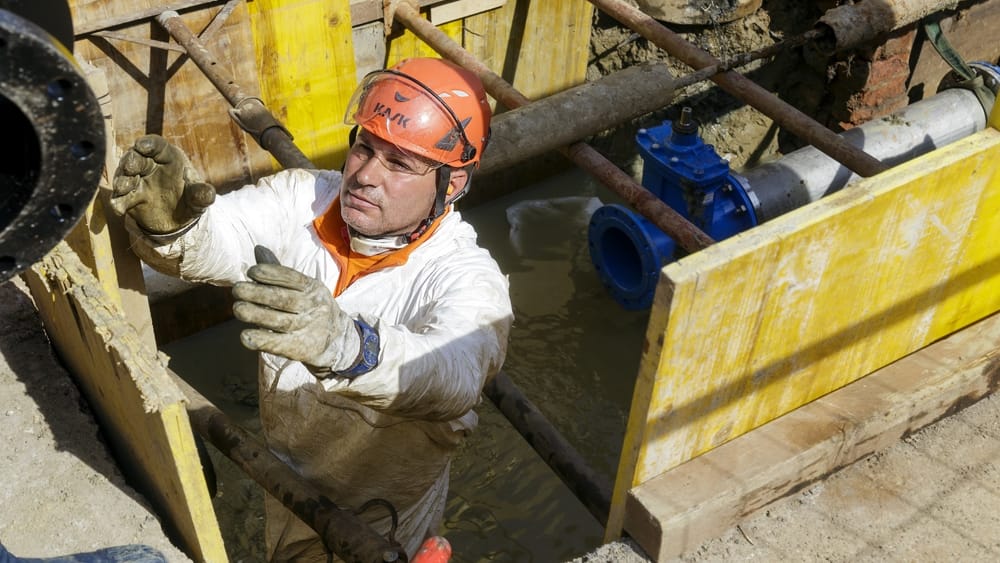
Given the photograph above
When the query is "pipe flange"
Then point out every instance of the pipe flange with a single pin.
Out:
(53, 148)
(627, 252)
(990, 74)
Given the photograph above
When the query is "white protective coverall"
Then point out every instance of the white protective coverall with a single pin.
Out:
(443, 318)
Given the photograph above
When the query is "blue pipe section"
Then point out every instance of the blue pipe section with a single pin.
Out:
(627, 250)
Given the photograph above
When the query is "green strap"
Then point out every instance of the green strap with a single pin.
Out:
(970, 80)
(947, 52)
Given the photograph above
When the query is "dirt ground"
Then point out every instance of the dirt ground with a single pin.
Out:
(934, 496)
(741, 134)
(62, 492)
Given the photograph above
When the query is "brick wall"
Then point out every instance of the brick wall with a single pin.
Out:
(873, 83)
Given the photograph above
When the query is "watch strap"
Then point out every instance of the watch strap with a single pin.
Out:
(368, 354)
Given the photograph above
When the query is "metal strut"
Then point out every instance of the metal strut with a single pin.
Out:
(590, 488)
(249, 112)
(745, 89)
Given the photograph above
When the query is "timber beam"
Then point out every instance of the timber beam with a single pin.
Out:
(675, 512)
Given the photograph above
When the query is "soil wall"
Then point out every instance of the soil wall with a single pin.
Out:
(840, 91)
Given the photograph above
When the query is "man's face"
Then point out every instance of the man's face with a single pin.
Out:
(386, 191)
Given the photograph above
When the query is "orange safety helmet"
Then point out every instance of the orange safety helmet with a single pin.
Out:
(426, 106)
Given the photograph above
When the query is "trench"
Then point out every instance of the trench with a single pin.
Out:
(573, 351)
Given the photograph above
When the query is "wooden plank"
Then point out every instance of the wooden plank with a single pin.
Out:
(155, 91)
(98, 242)
(131, 394)
(305, 57)
(93, 302)
(367, 11)
(675, 512)
(995, 115)
(96, 15)
(539, 47)
(450, 11)
(772, 319)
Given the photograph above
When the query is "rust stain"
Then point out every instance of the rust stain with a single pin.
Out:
(992, 375)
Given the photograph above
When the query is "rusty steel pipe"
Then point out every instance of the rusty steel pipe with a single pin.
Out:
(687, 236)
(342, 532)
(247, 111)
(576, 113)
(590, 488)
(798, 123)
(565, 117)
(851, 25)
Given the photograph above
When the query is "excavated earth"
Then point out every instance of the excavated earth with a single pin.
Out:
(933, 497)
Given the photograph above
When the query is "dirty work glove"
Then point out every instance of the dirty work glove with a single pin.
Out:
(158, 188)
(297, 318)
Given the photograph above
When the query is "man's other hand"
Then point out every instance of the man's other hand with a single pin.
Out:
(157, 187)
(297, 317)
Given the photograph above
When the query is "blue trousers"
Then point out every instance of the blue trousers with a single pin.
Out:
(118, 554)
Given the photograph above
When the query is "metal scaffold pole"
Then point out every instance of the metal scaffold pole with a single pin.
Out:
(745, 89)
(688, 236)
(248, 111)
(342, 532)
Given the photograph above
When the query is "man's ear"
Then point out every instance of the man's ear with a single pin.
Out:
(458, 181)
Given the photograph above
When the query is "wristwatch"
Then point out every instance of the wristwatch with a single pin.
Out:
(368, 355)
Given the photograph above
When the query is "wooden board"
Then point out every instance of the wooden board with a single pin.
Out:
(450, 11)
(156, 91)
(98, 15)
(539, 47)
(91, 297)
(131, 394)
(305, 60)
(995, 115)
(677, 511)
(760, 324)
(102, 245)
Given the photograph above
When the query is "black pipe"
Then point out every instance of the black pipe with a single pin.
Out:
(53, 142)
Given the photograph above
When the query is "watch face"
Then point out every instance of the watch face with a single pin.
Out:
(370, 349)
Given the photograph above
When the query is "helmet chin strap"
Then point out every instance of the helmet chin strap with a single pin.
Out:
(440, 202)
(372, 245)
(380, 244)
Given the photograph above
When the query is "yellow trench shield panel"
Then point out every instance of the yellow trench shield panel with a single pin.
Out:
(760, 324)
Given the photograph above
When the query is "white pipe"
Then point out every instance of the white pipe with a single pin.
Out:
(805, 175)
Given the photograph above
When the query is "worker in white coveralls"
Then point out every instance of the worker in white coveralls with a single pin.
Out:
(383, 320)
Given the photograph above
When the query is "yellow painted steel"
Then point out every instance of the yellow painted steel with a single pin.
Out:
(760, 324)
(305, 60)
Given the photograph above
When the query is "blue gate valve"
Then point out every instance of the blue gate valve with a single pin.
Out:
(627, 250)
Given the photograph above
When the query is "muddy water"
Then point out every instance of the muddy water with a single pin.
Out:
(573, 352)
